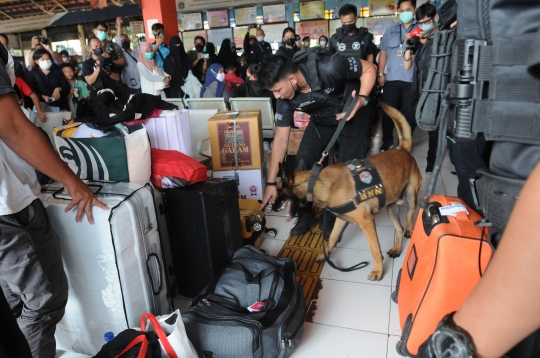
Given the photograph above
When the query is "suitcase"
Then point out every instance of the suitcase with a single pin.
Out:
(114, 268)
(255, 308)
(445, 260)
(204, 230)
(253, 223)
(54, 119)
(171, 132)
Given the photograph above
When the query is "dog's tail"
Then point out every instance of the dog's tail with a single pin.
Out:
(403, 127)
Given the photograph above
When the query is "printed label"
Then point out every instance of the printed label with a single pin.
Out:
(257, 306)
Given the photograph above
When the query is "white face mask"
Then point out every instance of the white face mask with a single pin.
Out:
(426, 27)
(65, 59)
(260, 38)
(306, 44)
(220, 77)
(298, 43)
(322, 43)
(45, 65)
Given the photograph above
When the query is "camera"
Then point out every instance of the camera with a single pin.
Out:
(413, 43)
(109, 50)
(205, 55)
(159, 34)
(105, 63)
(44, 40)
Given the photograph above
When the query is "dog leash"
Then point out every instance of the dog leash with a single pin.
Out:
(317, 167)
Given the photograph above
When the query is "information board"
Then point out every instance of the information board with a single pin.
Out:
(216, 36)
(311, 10)
(274, 32)
(274, 13)
(313, 29)
(377, 25)
(245, 15)
(189, 38)
(217, 18)
(239, 34)
(382, 7)
(192, 21)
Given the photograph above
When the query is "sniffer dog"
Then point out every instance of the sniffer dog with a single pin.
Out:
(335, 186)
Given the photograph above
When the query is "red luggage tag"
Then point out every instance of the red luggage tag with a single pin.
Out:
(257, 306)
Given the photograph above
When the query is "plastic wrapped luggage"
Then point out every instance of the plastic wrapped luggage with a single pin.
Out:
(253, 223)
(114, 268)
(204, 230)
(446, 258)
(171, 131)
(255, 308)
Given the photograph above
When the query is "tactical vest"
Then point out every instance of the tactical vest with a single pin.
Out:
(352, 46)
(321, 107)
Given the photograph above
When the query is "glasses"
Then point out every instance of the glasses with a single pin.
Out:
(424, 22)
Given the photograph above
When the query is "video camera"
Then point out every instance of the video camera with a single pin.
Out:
(44, 40)
(414, 42)
(105, 63)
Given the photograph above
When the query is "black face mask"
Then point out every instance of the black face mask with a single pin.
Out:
(290, 42)
(199, 47)
(349, 28)
(125, 45)
(98, 51)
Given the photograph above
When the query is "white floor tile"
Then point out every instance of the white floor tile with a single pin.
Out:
(354, 238)
(282, 226)
(320, 341)
(394, 327)
(353, 305)
(349, 257)
(392, 341)
(271, 246)
(398, 261)
(182, 304)
(439, 186)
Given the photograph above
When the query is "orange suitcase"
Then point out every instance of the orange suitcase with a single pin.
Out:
(253, 222)
(445, 260)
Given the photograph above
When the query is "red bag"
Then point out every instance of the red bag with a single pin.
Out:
(176, 166)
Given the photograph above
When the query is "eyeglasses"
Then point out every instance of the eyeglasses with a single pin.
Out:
(424, 22)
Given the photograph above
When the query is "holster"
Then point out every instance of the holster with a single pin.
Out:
(497, 196)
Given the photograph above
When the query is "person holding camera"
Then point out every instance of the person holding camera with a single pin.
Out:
(111, 51)
(48, 82)
(200, 61)
(161, 50)
(97, 70)
(260, 48)
(418, 52)
(41, 42)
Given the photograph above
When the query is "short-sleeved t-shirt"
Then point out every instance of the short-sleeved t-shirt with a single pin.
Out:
(18, 181)
(334, 72)
(392, 42)
(106, 81)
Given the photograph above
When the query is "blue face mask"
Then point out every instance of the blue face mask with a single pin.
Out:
(101, 35)
(406, 16)
(149, 56)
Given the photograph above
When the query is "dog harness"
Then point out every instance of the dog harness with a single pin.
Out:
(368, 185)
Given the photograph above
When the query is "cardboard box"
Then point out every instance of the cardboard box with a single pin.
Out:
(251, 183)
(295, 137)
(248, 140)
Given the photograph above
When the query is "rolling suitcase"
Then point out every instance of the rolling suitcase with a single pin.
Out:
(253, 223)
(446, 258)
(114, 268)
(204, 231)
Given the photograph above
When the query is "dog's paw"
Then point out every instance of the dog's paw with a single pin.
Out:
(408, 234)
(320, 258)
(394, 253)
(375, 275)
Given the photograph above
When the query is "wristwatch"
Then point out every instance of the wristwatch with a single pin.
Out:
(379, 74)
(366, 98)
(274, 183)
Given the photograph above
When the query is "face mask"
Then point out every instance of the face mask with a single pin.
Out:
(199, 48)
(306, 44)
(126, 45)
(220, 77)
(65, 59)
(322, 43)
(426, 27)
(349, 28)
(260, 38)
(149, 56)
(290, 42)
(406, 16)
(298, 43)
(101, 35)
(45, 65)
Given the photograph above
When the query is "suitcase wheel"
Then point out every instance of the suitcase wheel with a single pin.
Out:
(271, 233)
(268, 208)
(394, 296)
(257, 226)
(400, 348)
(396, 291)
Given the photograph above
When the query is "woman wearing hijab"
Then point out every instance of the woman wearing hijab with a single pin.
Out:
(225, 55)
(153, 79)
(288, 41)
(214, 85)
(178, 66)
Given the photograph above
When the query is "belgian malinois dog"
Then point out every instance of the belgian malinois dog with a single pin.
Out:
(335, 186)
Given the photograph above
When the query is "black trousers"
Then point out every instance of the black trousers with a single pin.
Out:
(353, 140)
(398, 95)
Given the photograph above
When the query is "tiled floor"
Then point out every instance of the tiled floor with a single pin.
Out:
(356, 317)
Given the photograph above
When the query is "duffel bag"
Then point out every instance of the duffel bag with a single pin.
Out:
(254, 309)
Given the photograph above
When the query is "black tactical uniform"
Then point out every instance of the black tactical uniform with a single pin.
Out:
(356, 45)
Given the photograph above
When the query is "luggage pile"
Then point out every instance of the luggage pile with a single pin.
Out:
(169, 229)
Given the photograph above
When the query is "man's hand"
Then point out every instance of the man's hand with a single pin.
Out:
(42, 116)
(160, 40)
(167, 80)
(359, 105)
(83, 199)
(381, 80)
(270, 196)
(46, 98)
(56, 93)
(35, 41)
(119, 23)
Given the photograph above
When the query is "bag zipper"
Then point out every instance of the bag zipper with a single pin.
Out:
(285, 325)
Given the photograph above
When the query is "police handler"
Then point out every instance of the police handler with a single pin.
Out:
(318, 84)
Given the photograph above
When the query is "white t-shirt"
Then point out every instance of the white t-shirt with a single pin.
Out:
(18, 182)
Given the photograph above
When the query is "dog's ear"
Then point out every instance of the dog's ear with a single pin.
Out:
(301, 166)
(283, 174)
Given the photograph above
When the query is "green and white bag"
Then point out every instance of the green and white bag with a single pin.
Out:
(114, 157)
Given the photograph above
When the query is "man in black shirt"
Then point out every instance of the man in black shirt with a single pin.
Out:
(96, 74)
(260, 49)
(295, 87)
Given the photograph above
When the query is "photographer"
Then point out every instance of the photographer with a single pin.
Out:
(259, 49)
(111, 51)
(97, 70)
(200, 61)
(41, 42)
(418, 51)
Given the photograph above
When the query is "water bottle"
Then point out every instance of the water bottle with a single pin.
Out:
(266, 146)
(108, 336)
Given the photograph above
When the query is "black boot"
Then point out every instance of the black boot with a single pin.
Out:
(326, 223)
(306, 220)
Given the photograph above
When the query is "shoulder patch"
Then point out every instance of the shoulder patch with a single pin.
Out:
(342, 47)
(356, 45)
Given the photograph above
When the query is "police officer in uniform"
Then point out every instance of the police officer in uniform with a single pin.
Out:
(319, 84)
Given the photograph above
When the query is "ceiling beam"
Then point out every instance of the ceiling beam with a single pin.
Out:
(6, 15)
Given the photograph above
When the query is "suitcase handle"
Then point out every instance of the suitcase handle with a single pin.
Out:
(158, 265)
(61, 191)
(431, 217)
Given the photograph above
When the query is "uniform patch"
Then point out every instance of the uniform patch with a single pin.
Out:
(279, 116)
(342, 47)
(351, 167)
(356, 45)
(366, 177)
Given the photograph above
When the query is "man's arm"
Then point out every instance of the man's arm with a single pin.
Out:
(91, 79)
(279, 149)
(41, 115)
(383, 58)
(16, 131)
(330, 45)
(367, 81)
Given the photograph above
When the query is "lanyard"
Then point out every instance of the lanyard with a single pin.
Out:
(401, 37)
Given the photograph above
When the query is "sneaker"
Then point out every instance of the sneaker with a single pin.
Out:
(387, 146)
(305, 222)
